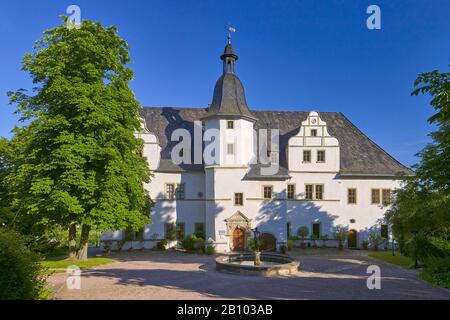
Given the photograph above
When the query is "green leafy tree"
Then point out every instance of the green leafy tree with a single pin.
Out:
(420, 210)
(77, 161)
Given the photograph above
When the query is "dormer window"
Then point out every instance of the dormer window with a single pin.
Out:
(230, 124)
(313, 132)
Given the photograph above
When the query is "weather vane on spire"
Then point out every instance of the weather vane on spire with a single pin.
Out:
(230, 30)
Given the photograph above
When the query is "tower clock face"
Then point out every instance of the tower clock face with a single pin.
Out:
(313, 121)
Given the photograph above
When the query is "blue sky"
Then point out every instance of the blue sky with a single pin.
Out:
(293, 55)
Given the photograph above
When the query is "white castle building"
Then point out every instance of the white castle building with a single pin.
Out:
(329, 173)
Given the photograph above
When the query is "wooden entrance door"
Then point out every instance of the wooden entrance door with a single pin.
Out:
(351, 240)
(238, 240)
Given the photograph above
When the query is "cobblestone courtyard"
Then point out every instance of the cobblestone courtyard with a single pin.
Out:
(173, 275)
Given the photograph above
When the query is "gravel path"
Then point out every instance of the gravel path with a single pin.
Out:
(171, 275)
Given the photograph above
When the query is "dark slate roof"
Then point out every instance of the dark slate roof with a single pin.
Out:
(360, 156)
(229, 98)
(229, 52)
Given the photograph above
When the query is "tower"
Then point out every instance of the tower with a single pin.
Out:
(230, 119)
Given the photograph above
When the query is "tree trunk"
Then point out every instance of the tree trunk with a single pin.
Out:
(73, 241)
(84, 242)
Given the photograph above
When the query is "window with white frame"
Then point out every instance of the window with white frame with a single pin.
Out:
(314, 191)
(351, 195)
(307, 156)
(320, 155)
(267, 192)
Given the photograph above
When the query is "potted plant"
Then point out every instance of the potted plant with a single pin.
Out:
(340, 234)
(303, 232)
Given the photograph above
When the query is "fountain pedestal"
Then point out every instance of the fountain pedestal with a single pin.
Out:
(257, 258)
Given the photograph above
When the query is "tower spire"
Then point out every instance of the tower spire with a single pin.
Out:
(229, 57)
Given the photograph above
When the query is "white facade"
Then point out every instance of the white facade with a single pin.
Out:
(226, 200)
(209, 195)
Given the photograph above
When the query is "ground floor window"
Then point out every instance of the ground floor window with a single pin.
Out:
(316, 229)
(180, 230)
(289, 229)
(200, 229)
(169, 231)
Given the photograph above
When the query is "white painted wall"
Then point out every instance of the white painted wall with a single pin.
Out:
(219, 183)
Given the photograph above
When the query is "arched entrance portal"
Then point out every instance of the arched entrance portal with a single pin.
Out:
(238, 240)
(269, 241)
(352, 238)
(238, 225)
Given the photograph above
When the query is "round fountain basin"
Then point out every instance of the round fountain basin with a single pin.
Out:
(271, 264)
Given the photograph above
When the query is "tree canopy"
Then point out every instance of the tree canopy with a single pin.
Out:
(420, 213)
(77, 160)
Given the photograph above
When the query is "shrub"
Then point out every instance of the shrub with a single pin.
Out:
(253, 247)
(375, 239)
(199, 234)
(340, 234)
(290, 244)
(120, 244)
(21, 274)
(420, 249)
(210, 250)
(437, 271)
(107, 245)
(161, 244)
(365, 244)
(303, 232)
(192, 243)
(283, 249)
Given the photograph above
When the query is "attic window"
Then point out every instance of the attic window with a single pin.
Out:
(230, 124)
(313, 132)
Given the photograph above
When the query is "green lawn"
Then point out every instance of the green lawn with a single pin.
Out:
(55, 262)
(398, 259)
